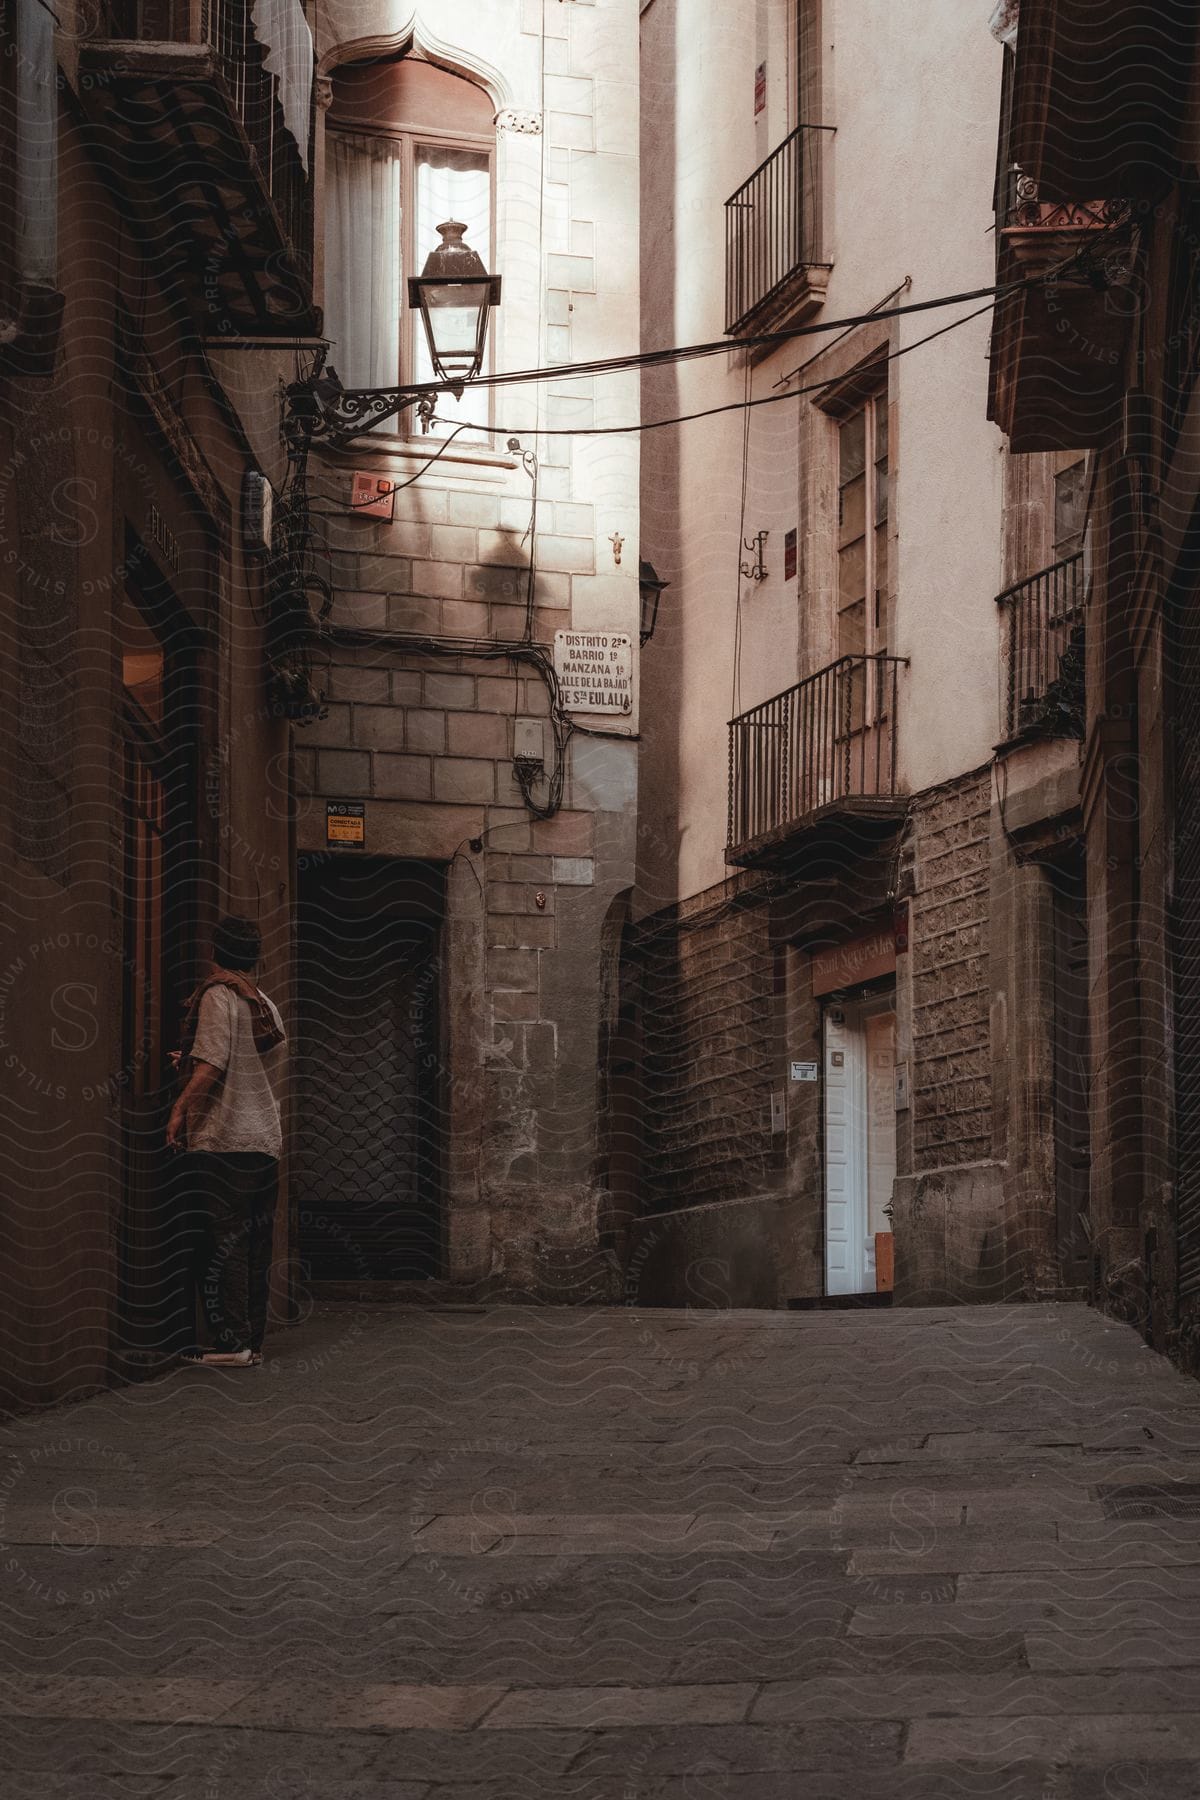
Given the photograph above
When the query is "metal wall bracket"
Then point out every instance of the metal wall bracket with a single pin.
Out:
(757, 570)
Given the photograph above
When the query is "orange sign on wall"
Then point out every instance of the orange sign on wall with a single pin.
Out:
(373, 495)
(859, 959)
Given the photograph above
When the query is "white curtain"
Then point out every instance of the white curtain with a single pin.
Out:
(452, 184)
(362, 259)
(282, 30)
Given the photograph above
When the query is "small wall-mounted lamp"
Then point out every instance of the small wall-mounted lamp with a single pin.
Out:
(650, 589)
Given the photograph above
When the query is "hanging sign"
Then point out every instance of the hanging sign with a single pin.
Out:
(345, 822)
(760, 88)
(594, 670)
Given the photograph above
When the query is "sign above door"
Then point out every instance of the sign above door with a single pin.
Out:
(345, 822)
(862, 958)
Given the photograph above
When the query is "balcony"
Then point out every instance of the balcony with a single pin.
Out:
(1042, 675)
(823, 751)
(1095, 122)
(191, 124)
(1057, 349)
(773, 272)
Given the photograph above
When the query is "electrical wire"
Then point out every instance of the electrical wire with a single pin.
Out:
(530, 464)
(646, 359)
(561, 726)
(710, 412)
(876, 311)
(357, 505)
(723, 346)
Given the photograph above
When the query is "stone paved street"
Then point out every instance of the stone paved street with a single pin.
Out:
(615, 1555)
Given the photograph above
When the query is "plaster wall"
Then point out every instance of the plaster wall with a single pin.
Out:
(883, 230)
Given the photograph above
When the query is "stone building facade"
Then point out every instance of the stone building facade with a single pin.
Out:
(498, 823)
(1101, 362)
(851, 938)
(145, 662)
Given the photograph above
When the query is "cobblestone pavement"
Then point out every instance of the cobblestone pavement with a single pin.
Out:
(615, 1555)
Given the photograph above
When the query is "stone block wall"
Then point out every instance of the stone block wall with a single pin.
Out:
(951, 990)
(712, 1018)
(950, 1219)
(424, 696)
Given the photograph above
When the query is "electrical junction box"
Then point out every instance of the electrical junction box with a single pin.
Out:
(529, 741)
(258, 512)
(372, 496)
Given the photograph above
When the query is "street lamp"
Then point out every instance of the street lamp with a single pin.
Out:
(650, 588)
(454, 294)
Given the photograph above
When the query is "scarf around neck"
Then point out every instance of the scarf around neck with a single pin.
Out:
(266, 1033)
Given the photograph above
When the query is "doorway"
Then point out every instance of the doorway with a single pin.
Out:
(158, 715)
(366, 1168)
(860, 1136)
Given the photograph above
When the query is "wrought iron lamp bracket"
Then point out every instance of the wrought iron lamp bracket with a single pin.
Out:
(336, 415)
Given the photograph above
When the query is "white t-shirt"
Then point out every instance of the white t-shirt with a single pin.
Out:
(241, 1114)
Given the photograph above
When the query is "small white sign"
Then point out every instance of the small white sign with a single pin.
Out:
(902, 1099)
(594, 670)
(804, 1071)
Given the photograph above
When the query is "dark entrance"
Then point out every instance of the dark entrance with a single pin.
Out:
(1071, 1053)
(366, 1163)
(1185, 921)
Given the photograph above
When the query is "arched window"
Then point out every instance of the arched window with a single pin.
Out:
(408, 146)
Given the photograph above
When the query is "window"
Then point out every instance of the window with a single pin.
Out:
(408, 146)
(1069, 509)
(862, 599)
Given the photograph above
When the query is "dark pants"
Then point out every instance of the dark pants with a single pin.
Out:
(237, 1193)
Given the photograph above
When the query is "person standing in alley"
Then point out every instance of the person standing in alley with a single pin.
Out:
(227, 1119)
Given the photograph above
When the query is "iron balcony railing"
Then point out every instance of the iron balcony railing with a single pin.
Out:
(828, 739)
(1043, 619)
(226, 27)
(771, 224)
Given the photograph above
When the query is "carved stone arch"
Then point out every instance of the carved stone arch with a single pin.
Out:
(416, 39)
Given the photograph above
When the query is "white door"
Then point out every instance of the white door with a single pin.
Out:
(860, 1138)
(845, 1220)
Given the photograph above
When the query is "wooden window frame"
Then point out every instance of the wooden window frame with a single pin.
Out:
(804, 59)
(863, 398)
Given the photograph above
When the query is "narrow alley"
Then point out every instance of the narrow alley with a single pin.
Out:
(615, 1554)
